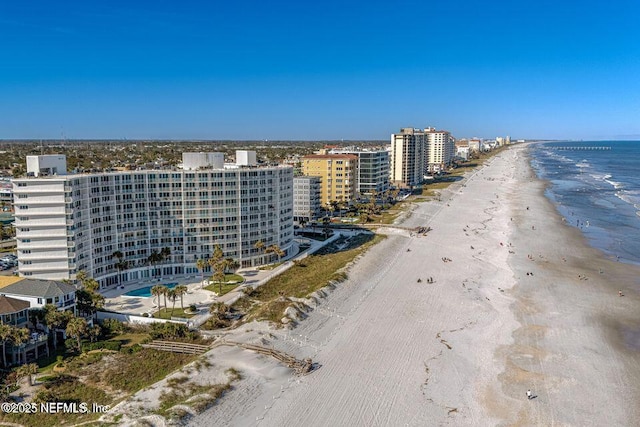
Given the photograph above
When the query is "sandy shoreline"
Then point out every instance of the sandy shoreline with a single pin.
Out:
(464, 349)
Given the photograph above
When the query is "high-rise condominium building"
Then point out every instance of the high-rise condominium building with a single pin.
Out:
(110, 224)
(372, 172)
(338, 175)
(440, 150)
(407, 157)
(306, 198)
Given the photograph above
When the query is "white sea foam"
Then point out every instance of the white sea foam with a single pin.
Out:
(631, 197)
(583, 164)
(616, 185)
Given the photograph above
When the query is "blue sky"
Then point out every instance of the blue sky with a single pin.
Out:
(319, 70)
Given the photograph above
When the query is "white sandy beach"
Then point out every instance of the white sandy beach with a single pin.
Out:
(464, 349)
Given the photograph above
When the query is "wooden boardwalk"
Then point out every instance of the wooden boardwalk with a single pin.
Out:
(177, 347)
(300, 366)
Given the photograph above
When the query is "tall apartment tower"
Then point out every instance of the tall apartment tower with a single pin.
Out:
(440, 150)
(306, 198)
(65, 224)
(338, 175)
(407, 157)
(373, 170)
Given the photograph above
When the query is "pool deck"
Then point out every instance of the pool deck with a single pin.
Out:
(116, 300)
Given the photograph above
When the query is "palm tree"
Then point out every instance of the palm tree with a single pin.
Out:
(88, 283)
(153, 259)
(121, 264)
(180, 290)
(201, 264)
(20, 336)
(218, 276)
(157, 291)
(5, 335)
(77, 328)
(55, 319)
(216, 256)
(165, 252)
(172, 297)
(94, 333)
(276, 250)
(230, 264)
(259, 245)
(164, 291)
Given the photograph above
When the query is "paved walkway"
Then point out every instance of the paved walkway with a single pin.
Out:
(255, 278)
(117, 300)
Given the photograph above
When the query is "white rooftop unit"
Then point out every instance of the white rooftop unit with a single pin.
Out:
(192, 161)
(48, 164)
(246, 158)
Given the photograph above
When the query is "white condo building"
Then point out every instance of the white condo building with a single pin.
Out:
(68, 223)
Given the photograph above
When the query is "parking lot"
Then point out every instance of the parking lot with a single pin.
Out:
(8, 263)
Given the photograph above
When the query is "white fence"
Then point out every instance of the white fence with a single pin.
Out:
(130, 318)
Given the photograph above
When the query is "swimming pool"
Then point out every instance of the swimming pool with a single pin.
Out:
(146, 291)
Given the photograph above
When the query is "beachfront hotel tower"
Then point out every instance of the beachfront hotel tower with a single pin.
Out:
(109, 224)
(439, 150)
(407, 157)
(338, 175)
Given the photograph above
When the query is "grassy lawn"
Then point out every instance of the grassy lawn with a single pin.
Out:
(166, 313)
(230, 278)
(129, 339)
(226, 288)
(305, 277)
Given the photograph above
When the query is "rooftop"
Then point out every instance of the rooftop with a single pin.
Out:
(12, 305)
(37, 288)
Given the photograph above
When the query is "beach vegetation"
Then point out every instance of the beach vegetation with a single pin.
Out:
(180, 392)
(269, 301)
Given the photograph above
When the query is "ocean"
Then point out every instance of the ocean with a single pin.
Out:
(597, 191)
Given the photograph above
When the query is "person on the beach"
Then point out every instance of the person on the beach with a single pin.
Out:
(620, 293)
(529, 394)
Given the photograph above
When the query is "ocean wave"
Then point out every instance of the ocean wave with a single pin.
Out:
(617, 185)
(583, 164)
(630, 197)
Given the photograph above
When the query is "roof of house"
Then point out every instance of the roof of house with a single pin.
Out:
(38, 288)
(11, 305)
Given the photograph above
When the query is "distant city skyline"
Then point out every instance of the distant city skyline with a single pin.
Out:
(318, 71)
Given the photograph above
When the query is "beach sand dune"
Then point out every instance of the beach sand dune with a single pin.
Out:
(517, 301)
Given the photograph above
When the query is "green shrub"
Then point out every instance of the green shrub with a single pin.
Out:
(168, 330)
(107, 345)
(113, 327)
